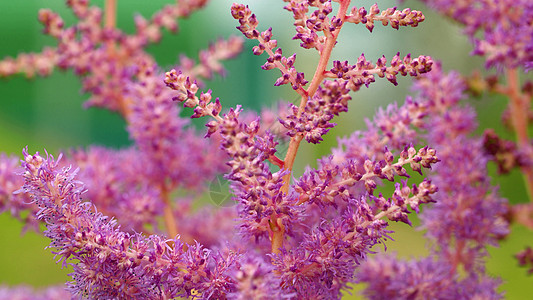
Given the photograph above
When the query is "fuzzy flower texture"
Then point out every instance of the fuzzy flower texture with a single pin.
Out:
(125, 220)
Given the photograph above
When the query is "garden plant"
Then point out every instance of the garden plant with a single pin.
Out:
(133, 222)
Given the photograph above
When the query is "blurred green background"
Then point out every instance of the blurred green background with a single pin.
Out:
(47, 113)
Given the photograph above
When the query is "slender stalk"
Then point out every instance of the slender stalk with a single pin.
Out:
(318, 77)
(278, 232)
(110, 21)
(170, 222)
(457, 255)
(110, 9)
(519, 106)
(276, 227)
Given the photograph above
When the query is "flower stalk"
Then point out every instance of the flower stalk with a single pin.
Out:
(519, 108)
(318, 77)
(110, 9)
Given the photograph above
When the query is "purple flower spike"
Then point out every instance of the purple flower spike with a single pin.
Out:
(112, 263)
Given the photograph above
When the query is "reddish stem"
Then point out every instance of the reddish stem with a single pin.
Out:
(519, 106)
(110, 13)
(318, 77)
(457, 258)
(276, 161)
(277, 234)
(170, 222)
(277, 229)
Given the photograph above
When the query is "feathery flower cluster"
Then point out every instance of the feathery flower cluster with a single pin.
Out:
(126, 220)
(111, 263)
(248, 26)
(121, 56)
(501, 30)
(468, 214)
(423, 279)
(396, 18)
(266, 209)
(10, 181)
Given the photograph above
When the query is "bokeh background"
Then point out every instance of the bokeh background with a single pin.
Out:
(47, 113)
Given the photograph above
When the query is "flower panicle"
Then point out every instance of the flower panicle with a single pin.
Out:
(392, 16)
(111, 263)
(330, 100)
(151, 29)
(435, 279)
(120, 55)
(396, 208)
(18, 204)
(301, 240)
(188, 89)
(330, 180)
(314, 26)
(48, 186)
(501, 33)
(256, 188)
(210, 59)
(364, 72)
(332, 96)
(30, 64)
(324, 261)
(248, 26)
(311, 120)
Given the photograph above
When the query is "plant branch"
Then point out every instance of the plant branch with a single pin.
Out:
(110, 13)
(519, 106)
(318, 77)
(331, 39)
(170, 222)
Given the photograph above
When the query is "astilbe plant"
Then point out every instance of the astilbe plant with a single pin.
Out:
(114, 216)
